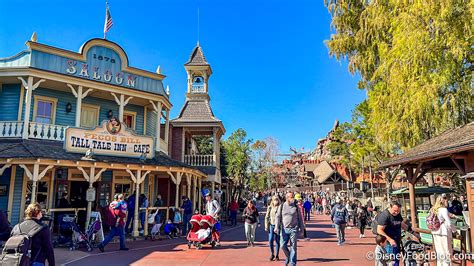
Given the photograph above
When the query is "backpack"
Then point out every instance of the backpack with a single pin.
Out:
(432, 221)
(110, 217)
(17, 249)
(340, 215)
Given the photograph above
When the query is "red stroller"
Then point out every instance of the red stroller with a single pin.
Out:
(202, 228)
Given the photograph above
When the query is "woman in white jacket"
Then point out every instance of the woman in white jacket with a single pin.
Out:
(443, 237)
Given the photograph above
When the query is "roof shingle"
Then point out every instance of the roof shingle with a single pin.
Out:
(196, 111)
(454, 140)
(197, 58)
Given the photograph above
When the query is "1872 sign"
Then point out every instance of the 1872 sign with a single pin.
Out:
(111, 138)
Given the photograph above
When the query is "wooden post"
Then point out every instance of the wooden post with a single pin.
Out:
(167, 126)
(199, 195)
(157, 108)
(29, 87)
(79, 94)
(411, 188)
(122, 102)
(91, 177)
(138, 179)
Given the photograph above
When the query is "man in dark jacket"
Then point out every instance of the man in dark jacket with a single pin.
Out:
(41, 245)
(187, 208)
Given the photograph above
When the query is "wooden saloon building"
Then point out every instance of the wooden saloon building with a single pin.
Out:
(89, 125)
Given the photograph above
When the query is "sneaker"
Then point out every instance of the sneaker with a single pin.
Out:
(252, 244)
(170, 237)
(277, 258)
(272, 258)
(101, 248)
(307, 239)
(339, 243)
(248, 244)
(218, 243)
(124, 249)
(363, 235)
(360, 236)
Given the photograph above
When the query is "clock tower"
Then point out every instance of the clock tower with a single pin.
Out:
(197, 121)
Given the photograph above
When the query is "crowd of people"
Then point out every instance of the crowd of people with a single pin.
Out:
(284, 221)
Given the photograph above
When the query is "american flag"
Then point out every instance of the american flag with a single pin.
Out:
(108, 20)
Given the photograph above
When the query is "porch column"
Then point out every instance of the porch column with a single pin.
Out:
(188, 185)
(411, 189)
(157, 108)
(35, 175)
(183, 146)
(138, 179)
(122, 102)
(177, 182)
(91, 177)
(199, 194)
(79, 94)
(29, 87)
(194, 187)
(167, 126)
(215, 144)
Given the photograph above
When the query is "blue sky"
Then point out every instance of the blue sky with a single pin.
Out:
(272, 74)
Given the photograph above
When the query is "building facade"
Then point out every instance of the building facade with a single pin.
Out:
(87, 125)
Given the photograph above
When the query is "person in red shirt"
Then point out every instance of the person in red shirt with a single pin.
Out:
(233, 207)
(118, 228)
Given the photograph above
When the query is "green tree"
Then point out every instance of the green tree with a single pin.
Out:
(204, 144)
(414, 58)
(237, 150)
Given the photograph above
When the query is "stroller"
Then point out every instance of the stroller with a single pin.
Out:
(202, 228)
(71, 235)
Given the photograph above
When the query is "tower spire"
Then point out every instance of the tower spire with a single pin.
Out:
(198, 18)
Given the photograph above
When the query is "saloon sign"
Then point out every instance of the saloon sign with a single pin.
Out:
(111, 139)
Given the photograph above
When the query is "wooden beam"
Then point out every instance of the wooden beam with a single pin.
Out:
(458, 166)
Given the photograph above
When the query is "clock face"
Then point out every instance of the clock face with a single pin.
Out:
(198, 80)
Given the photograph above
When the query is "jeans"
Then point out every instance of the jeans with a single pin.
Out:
(273, 237)
(186, 224)
(288, 235)
(142, 220)
(362, 228)
(306, 214)
(233, 217)
(340, 233)
(129, 224)
(396, 251)
(250, 232)
(115, 231)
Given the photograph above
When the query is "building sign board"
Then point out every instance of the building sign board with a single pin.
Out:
(112, 138)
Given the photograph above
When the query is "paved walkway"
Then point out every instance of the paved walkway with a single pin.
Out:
(322, 249)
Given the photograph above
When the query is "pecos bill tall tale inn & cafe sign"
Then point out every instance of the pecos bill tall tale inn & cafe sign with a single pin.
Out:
(111, 139)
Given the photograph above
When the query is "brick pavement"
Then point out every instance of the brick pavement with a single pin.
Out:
(322, 249)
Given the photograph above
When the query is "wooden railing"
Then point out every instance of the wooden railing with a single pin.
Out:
(11, 129)
(46, 131)
(200, 160)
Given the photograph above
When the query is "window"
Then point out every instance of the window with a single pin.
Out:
(122, 184)
(44, 110)
(89, 115)
(129, 119)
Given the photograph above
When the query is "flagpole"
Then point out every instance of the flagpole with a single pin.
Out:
(105, 32)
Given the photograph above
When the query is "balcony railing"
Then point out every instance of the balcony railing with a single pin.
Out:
(46, 131)
(14, 129)
(200, 160)
(9, 129)
(198, 89)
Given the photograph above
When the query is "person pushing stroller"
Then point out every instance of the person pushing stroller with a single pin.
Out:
(213, 208)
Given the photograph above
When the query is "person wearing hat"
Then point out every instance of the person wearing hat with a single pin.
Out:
(251, 220)
(339, 216)
(213, 208)
(187, 209)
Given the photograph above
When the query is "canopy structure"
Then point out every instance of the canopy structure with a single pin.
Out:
(450, 152)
